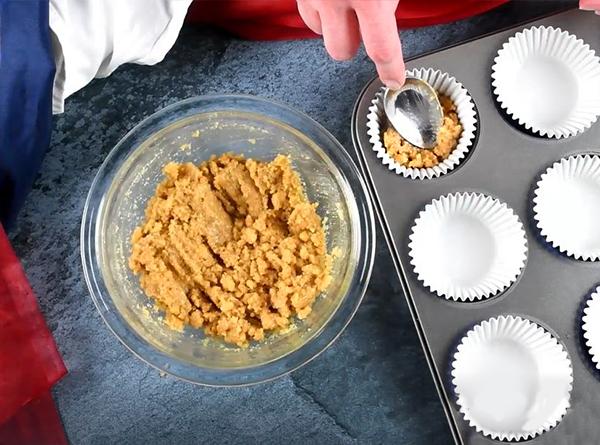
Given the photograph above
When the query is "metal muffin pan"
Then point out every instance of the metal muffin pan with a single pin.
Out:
(505, 162)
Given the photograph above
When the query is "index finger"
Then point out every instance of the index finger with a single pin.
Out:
(382, 41)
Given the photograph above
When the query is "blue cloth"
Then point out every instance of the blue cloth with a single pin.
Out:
(26, 76)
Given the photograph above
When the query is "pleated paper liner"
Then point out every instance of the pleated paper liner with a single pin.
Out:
(591, 327)
(512, 378)
(445, 84)
(467, 246)
(548, 81)
(567, 206)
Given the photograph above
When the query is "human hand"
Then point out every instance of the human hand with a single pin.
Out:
(590, 5)
(343, 23)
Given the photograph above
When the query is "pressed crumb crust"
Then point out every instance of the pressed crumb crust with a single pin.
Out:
(232, 246)
(447, 139)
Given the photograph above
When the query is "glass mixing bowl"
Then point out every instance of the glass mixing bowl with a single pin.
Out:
(194, 130)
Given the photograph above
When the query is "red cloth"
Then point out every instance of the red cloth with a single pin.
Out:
(29, 360)
(279, 19)
(37, 423)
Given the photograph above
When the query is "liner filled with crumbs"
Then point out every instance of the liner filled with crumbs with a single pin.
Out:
(454, 140)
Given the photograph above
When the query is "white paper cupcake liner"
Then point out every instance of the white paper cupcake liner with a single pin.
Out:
(467, 246)
(591, 326)
(567, 206)
(445, 84)
(548, 81)
(512, 379)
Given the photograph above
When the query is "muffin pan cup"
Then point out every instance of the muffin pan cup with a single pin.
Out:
(548, 81)
(445, 84)
(467, 246)
(590, 323)
(512, 378)
(506, 163)
(567, 206)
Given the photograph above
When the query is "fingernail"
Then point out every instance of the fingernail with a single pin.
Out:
(393, 84)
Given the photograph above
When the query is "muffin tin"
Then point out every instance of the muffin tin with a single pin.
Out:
(506, 162)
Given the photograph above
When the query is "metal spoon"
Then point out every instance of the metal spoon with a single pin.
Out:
(415, 112)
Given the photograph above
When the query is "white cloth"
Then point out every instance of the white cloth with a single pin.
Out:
(92, 38)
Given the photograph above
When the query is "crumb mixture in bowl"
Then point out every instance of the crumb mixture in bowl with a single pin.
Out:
(258, 129)
(232, 246)
(447, 139)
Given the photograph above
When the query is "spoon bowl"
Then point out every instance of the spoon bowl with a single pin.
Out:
(415, 112)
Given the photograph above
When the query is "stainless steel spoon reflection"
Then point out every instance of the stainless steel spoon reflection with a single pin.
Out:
(415, 112)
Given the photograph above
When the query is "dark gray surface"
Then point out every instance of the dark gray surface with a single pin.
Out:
(372, 386)
(506, 163)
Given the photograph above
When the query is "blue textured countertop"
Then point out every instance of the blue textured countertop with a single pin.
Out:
(371, 386)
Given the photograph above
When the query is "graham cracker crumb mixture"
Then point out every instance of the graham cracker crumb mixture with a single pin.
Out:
(232, 246)
(447, 139)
